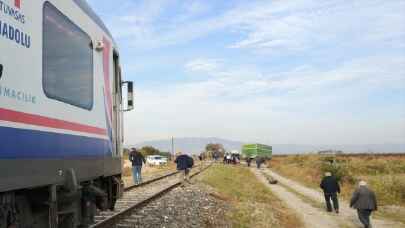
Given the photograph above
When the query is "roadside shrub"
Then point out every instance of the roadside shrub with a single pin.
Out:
(351, 179)
(340, 171)
(377, 167)
(401, 188)
(298, 160)
(390, 189)
(328, 159)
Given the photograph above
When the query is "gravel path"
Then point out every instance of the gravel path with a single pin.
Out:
(313, 215)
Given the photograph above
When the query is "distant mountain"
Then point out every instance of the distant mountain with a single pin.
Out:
(190, 145)
(196, 145)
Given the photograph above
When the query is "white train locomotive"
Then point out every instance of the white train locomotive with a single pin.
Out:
(61, 116)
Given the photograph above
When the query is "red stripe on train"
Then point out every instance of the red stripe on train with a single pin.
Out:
(20, 117)
(17, 3)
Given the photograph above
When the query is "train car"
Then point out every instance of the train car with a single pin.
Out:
(257, 150)
(61, 114)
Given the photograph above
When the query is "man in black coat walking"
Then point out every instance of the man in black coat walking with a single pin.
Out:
(259, 161)
(137, 160)
(248, 161)
(331, 188)
(184, 164)
(365, 201)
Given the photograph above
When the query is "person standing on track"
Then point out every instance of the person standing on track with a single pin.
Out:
(184, 165)
(201, 158)
(365, 201)
(331, 188)
(248, 161)
(137, 160)
(259, 161)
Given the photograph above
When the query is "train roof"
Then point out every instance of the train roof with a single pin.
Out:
(90, 12)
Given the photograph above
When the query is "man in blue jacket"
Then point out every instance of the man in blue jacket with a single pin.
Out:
(137, 160)
(184, 164)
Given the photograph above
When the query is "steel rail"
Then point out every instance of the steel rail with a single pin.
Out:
(129, 188)
(115, 219)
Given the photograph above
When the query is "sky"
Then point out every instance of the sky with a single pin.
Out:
(275, 72)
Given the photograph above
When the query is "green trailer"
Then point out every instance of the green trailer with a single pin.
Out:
(257, 150)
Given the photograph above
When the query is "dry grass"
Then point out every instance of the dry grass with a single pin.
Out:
(252, 203)
(385, 175)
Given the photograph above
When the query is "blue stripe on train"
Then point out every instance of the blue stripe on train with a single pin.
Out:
(22, 143)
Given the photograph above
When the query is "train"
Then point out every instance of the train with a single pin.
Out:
(62, 99)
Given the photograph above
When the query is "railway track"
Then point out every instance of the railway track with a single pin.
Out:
(136, 197)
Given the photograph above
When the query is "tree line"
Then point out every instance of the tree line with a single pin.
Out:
(149, 150)
(211, 149)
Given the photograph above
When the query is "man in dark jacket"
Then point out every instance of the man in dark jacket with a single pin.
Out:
(248, 161)
(331, 188)
(137, 160)
(259, 161)
(365, 202)
(184, 164)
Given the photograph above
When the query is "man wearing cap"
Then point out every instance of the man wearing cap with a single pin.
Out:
(331, 188)
(365, 201)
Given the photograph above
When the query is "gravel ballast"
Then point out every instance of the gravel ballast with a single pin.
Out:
(190, 206)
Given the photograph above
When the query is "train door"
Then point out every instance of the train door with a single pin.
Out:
(117, 103)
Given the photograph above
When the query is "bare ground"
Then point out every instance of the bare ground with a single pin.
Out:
(300, 198)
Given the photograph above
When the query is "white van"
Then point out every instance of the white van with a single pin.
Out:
(156, 160)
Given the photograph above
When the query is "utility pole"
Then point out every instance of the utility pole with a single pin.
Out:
(173, 146)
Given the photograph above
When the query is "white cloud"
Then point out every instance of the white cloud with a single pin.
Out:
(302, 25)
(362, 39)
(195, 7)
(204, 65)
(282, 26)
(295, 106)
(385, 71)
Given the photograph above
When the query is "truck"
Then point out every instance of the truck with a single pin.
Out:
(257, 150)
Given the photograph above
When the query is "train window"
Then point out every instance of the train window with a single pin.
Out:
(67, 60)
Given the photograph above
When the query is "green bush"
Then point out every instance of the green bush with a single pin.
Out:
(339, 170)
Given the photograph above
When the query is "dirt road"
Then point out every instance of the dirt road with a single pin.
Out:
(308, 203)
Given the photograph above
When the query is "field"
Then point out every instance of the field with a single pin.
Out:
(384, 174)
(253, 205)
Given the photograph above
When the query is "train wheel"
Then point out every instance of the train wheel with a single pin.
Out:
(88, 212)
(25, 217)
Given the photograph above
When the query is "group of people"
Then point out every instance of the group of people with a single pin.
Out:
(235, 159)
(259, 161)
(183, 162)
(231, 159)
(363, 198)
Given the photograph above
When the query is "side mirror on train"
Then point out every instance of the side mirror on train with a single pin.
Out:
(130, 95)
